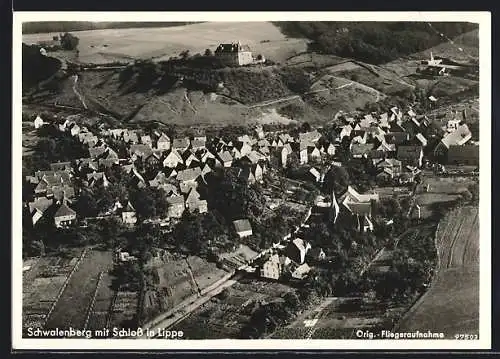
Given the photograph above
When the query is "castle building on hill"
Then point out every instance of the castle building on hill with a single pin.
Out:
(234, 54)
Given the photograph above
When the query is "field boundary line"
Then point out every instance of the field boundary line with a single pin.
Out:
(68, 278)
(421, 299)
(92, 302)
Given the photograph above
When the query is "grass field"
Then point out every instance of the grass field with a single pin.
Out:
(101, 46)
(224, 318)
(441, 190)
(72, 307)
(451, 305)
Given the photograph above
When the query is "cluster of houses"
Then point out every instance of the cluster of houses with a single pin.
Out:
(290, 260)
(394, 141)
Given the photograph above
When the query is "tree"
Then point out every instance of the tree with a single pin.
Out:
(144, 203)
(69, 41)
(86, 205)
(336, 180)
(208, 52)
(184, 54)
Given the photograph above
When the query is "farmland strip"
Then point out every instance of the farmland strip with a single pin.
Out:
(82, 256)
(91, 305)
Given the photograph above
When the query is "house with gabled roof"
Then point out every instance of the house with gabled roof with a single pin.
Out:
(243, 227)
(303, 153)
(458, 137)
(153, 160)
(97, 179)
(163, 142)
(285, 152)
(176, 206)
(129, 214)
(64, 216)
(173, 159)
(395, 166)
(190, 160)
(225, 159)
(314, 153)
(194, 203)
(241, 149)
(297, 250)
(38, 207)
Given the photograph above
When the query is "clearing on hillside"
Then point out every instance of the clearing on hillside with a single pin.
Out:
(452, 303)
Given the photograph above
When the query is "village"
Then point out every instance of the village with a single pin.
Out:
(399, 147)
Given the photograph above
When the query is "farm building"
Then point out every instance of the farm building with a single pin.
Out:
(234, 54)
(463, 155)
(243, 227)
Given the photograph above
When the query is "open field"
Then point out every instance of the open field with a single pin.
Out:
(441, 190)
(72, 307)
(42, 285)
(451, 305)
(340, 318)
(101, 46)
(224, 316)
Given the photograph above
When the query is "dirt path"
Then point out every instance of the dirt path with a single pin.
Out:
(80, 97)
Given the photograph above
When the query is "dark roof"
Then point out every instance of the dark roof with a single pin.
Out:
(409, 152)
(463, 152)
(64, 210)
(229, 48)
(242, 225)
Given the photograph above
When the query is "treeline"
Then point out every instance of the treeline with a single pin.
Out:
(373, 42)
(63, 26)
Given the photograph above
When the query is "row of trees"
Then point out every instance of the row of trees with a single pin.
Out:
(64, 26)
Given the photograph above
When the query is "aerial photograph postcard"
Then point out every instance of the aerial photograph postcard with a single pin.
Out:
(310, 181)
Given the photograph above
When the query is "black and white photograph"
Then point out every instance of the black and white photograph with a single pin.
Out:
(276, 180)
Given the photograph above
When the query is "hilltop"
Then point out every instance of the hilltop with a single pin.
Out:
(199, 90)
